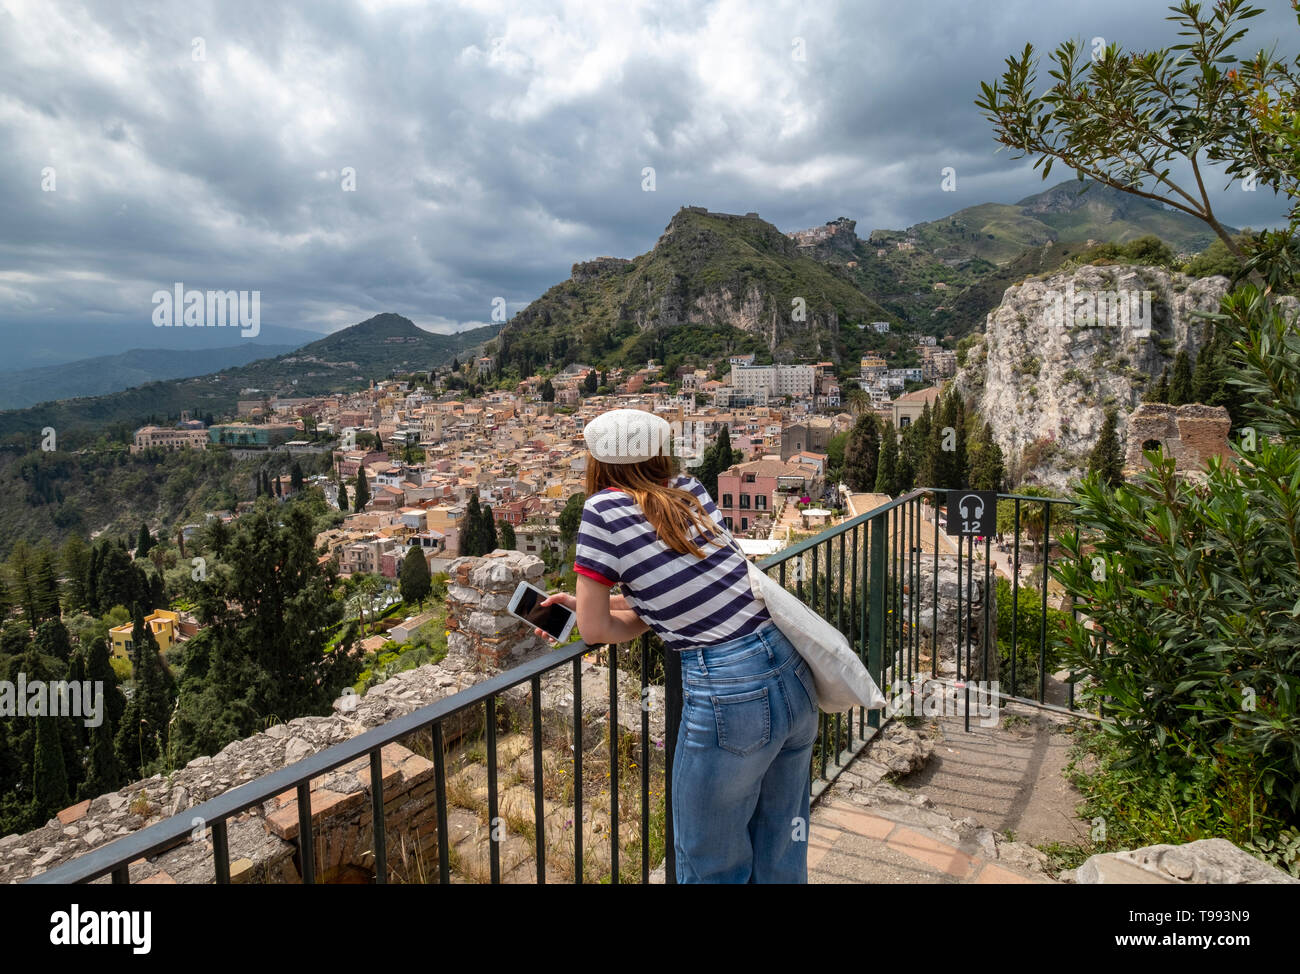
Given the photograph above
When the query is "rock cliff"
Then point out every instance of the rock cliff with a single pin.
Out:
(1058, 351)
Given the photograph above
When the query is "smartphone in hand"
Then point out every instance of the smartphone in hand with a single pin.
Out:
(554, 620)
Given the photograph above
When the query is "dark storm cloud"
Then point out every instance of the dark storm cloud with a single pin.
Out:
(493, 144)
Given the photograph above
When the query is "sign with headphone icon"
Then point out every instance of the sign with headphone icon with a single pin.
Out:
(972, 513)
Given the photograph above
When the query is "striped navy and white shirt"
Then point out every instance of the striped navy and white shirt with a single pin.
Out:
(689, 601)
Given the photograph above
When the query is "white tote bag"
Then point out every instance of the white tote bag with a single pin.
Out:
(843, 681)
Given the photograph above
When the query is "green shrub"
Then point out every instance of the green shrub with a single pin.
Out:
(1195, 586)
(1029, 633)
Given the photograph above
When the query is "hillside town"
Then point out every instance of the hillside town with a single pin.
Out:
(523, 455)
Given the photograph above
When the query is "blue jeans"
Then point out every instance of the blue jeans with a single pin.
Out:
(742, 765)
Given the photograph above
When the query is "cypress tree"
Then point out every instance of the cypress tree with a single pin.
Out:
(46, 585)
(75, 556)
(862, 453)
(49, 774)
(1205, 382)
(99, 669)
(1159, 392)
(1180, 387)
(144, 542)
(52, 640)
(471, 539)
(296, 477)
(21, 571)
(93, 605)
(343, 495)
(718, 458)
(508, 540)
(143, 734)
(887, 467)
(488, 529)
(414, 578)
(913, 459)
(362, 496)
(988, 471)
(103, 769)
(1106, 462)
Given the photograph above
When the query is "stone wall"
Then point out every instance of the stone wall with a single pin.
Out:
(262, 841)
(1191, 434)
(478, 592)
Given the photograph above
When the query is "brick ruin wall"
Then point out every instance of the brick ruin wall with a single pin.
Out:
(1191, 434)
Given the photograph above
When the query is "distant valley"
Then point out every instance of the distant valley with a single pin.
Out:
(111, 373)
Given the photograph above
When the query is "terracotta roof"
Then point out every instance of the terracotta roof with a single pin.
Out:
(920, 395)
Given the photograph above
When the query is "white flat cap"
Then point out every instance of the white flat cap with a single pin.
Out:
(627, 436)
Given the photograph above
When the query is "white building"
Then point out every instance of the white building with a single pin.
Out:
(773, 380)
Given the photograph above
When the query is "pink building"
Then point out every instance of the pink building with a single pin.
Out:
(748, 491)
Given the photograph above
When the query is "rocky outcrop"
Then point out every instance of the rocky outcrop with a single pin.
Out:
(1058, 351)
(1215, 861)
(590, 269)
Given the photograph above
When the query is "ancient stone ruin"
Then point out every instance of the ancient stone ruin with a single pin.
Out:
(1191, 434)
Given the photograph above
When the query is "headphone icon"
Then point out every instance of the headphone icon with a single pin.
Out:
(977, 507)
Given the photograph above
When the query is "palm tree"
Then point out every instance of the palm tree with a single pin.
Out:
(858, 400)
(365, 596)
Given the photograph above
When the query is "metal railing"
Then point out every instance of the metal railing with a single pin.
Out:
(863, 574)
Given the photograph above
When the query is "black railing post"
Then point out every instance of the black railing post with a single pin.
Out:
(876, 618)
(645, 758)
(934, 603)
(221, 852)
(1042, 636)
(539, 802)
(577, 770)
(440, 801)
(379, 836)
(614, 736)
(494, 812)
(306, 847)
(1015, 596)
(672, 723)
(863, 630)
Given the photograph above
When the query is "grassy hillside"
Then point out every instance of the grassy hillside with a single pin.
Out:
(1066, 213)
(50, 496)
(714, 283)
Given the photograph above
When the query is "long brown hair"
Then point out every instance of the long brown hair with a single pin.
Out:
(670, 510)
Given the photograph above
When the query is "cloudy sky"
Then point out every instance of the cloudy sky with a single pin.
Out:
(347, 158)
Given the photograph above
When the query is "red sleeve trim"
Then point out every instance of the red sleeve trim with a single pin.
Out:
(591, 574)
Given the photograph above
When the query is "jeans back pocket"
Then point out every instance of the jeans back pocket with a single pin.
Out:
(809, 682)
(744, 721)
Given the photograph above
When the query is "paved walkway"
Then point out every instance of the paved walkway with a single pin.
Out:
(850, 844)
(967, 816)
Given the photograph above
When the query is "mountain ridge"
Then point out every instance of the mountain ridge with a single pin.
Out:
(345, 359)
